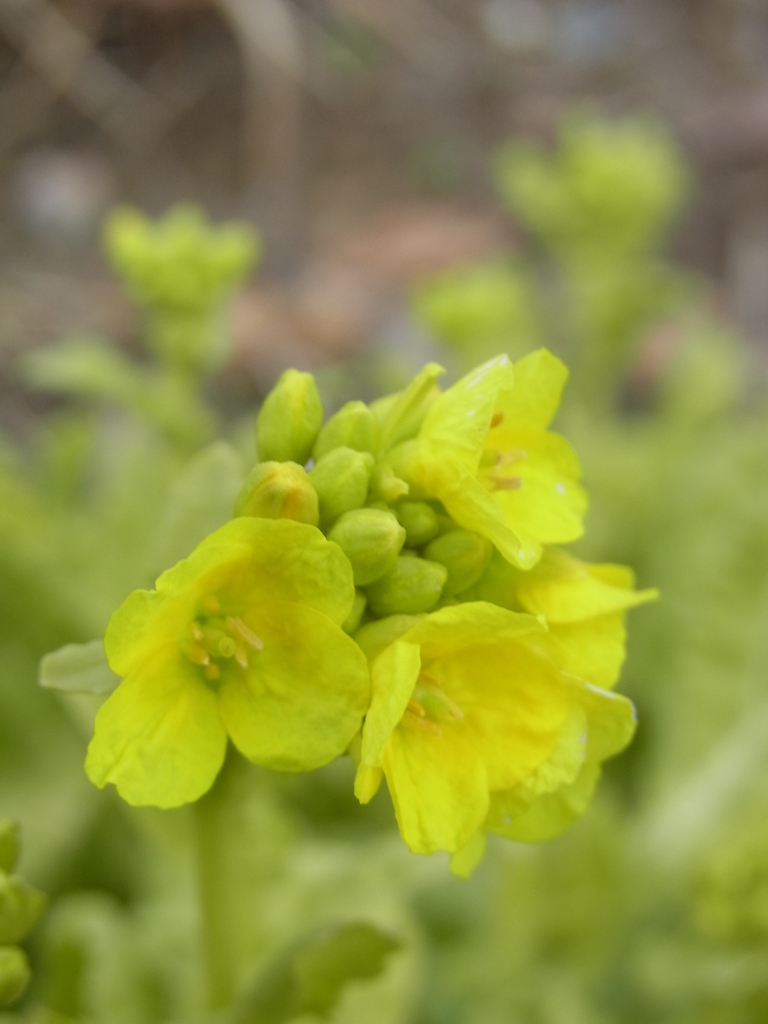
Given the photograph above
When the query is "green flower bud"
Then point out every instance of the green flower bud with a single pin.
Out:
(278, 490)
(465, 556)
(386, 485)
(411, 586)
(420, 522)
(375, 637)
(371, 540)
(290, 419)
(20, 907)
(9, 844)
(341, 480)
(14, 974)
(353, 426)
(354, 618)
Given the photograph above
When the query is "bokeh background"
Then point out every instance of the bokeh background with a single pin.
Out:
(430, 180)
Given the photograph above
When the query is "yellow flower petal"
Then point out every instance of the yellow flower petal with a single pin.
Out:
(612, 720)
(548, 815)
(438, 786)
(465, 860)
(568, 590)
(539, 379)
(289, 560)
(549, 504)
(393, 677)
(302, 697)
(514, 703)
(159, 738)
(593, 649)
(458, 422)
(367, 782)
(470, 623)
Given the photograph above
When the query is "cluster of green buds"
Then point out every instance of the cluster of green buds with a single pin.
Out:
(181, 269)
(391, 587)
(20, 907)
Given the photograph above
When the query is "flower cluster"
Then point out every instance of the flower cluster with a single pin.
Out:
(390, 587)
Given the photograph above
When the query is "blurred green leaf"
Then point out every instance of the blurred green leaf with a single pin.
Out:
(310, 975)
(78, 668)
(201, 501)
(92, 367)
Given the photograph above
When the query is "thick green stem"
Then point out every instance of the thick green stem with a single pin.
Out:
(217, 934)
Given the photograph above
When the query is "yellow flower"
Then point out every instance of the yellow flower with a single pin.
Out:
(584, 606)
(484, 451)
(464, 707)
(243, 638)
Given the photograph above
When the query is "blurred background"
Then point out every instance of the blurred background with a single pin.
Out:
(428, 179)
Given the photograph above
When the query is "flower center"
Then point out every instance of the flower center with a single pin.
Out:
(495, 466)
(429, 706)
(215, 638)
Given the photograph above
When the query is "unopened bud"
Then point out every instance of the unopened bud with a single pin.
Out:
(341, 480)
(278, 490)
(9, 844)
(20, 907)
(14, 974)
(386, 485)
(420, 522)
(371, 540)
(353, 426)
(355, 617)
(290, 419)
(411, 586)
(465, 556)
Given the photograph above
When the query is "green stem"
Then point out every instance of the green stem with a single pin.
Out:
(217, 939)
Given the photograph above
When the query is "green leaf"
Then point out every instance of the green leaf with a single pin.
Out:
(78, 668)
(201, 501)
(309, 976)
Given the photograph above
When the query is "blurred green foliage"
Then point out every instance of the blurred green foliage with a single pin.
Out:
(654, 908)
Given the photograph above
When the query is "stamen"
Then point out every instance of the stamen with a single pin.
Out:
(198, 655)
(211, 604)
(196, 631)
(496, 419)
(241, 657)
(416, 709)
(236, 625)
(511, 457)
(504, 483)
(212, 672)
(411, 721)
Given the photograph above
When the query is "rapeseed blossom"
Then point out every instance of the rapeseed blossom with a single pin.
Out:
(471, 721)
(242, 639)
(401, 596)
(485, 452)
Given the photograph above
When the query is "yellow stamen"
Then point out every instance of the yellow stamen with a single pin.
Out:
(511, 457)
(416, 709)
(211, 604)
(236, 625)
(212, 672)
(197, 633)
(496, 419)
(414, 722)
(504, 483)
(198, 655)
(241, 657)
